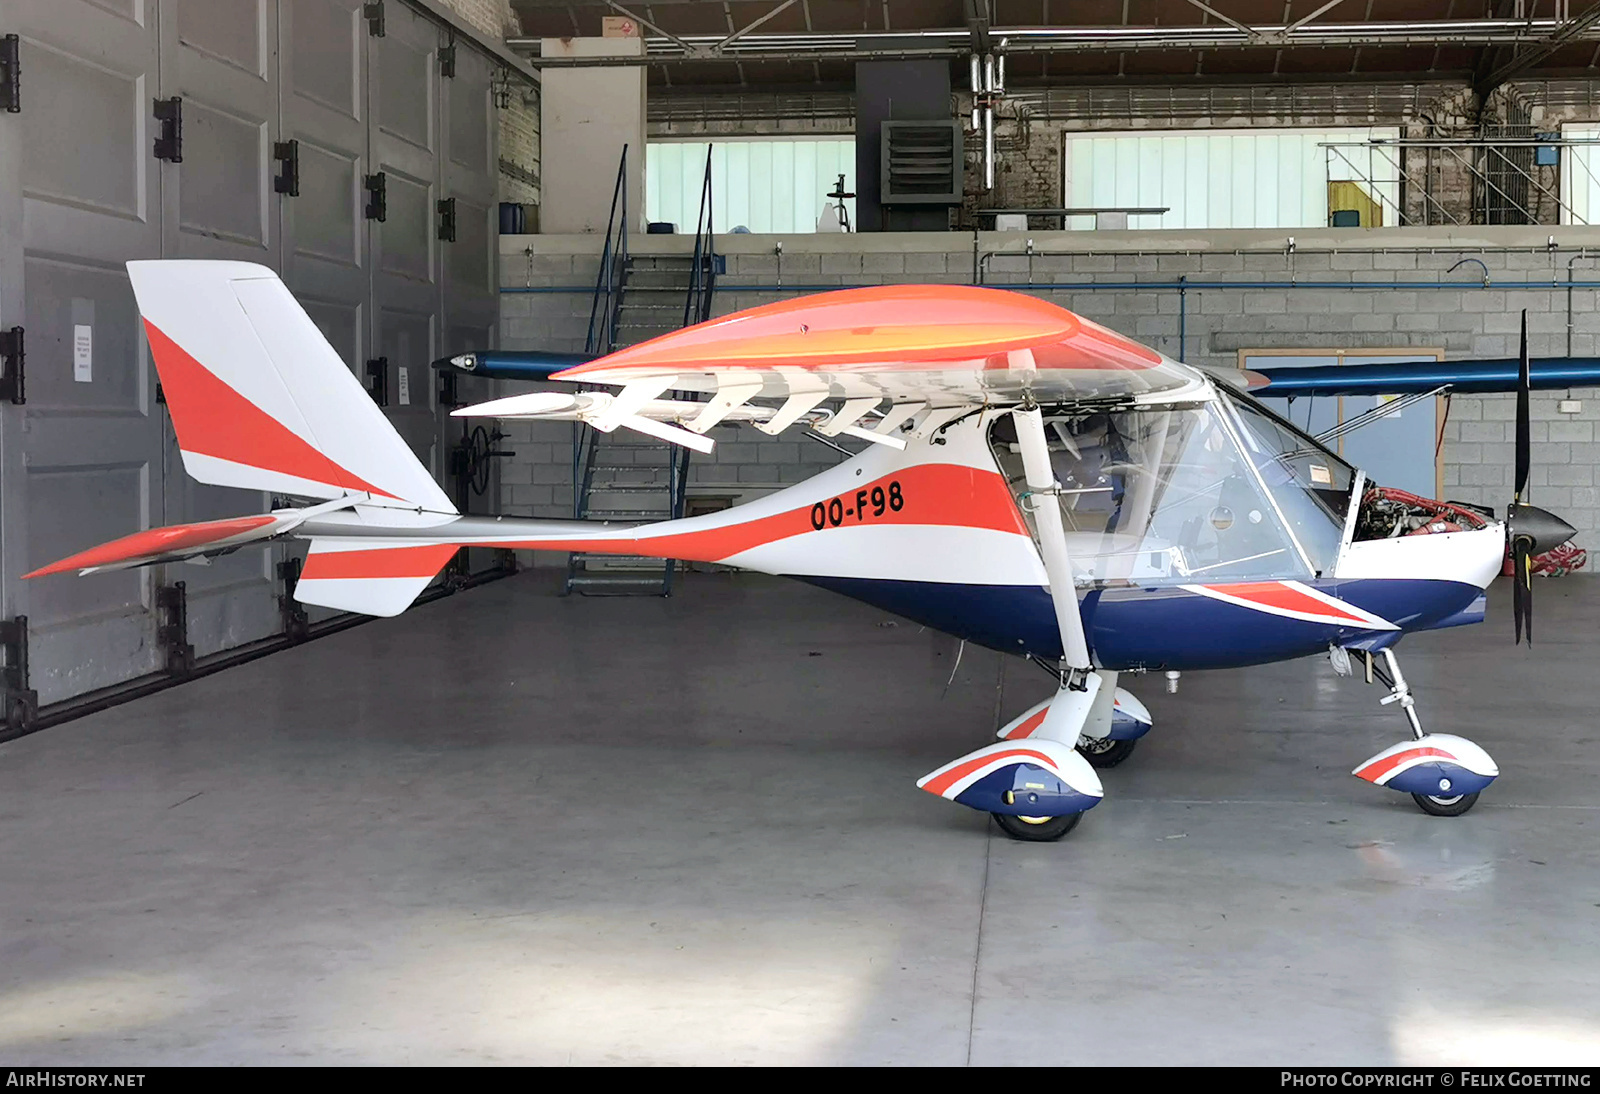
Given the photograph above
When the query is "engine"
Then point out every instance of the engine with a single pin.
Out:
(1387, 513)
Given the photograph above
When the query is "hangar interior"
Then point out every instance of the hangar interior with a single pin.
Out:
(574, 809)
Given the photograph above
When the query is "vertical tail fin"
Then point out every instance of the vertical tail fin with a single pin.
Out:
(258, 397)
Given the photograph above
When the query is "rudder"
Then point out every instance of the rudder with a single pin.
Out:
(259, 399)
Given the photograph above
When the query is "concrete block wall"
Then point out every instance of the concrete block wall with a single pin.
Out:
(1241, 291)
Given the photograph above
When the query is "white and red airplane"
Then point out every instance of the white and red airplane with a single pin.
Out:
(1036, 484)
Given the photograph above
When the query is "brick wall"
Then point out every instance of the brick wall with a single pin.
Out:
(519, 146)
(518, 121)
(1254, 307)
(492, 17)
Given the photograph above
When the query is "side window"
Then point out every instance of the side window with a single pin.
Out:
(1154, 496)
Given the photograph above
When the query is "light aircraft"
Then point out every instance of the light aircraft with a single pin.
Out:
(1034, 483)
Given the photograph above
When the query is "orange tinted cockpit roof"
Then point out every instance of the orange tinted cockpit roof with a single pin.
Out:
(894, 326)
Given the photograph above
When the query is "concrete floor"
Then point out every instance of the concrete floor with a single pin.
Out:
(509, 827)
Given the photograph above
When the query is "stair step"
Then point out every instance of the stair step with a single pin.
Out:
(583, 578)
(619, 513)
(626, 487)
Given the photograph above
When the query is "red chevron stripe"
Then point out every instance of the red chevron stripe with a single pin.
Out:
(1377, 770)
(212, 419)
(938, 494)
(424, 561)
(1277, 594)
(956, 774)
(1026, 729)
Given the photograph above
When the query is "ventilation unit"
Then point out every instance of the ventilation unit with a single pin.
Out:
(922, 163)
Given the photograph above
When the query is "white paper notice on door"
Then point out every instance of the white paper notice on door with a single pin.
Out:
(83, 353)
(405, 386)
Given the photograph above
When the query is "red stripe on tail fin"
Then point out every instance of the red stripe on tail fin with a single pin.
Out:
(212, 419)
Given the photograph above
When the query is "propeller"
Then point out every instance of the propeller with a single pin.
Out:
(1530, 530)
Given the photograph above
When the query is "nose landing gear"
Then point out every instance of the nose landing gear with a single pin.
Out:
(1443, 773)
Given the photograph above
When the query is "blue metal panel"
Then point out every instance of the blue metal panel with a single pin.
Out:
(1161, 627)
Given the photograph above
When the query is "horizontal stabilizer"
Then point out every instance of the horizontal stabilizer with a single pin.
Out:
(367, 575)
(174, 543)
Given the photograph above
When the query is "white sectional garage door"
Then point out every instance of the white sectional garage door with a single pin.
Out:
(288, 109)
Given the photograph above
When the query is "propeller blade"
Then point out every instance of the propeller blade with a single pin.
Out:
(1524, 385)
(1516, 598)
(1522, 589)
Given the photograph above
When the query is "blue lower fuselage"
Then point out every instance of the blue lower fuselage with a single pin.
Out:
(1166, 627)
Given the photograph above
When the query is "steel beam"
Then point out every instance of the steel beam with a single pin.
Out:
(1570, 31)
(807, 45)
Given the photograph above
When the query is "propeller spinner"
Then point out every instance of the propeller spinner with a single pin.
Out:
(1530, 530)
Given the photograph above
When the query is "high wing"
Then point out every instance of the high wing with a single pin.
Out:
(842, 361)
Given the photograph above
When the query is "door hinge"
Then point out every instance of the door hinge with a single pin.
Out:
(372, 12)
(18, 702)
(10, 74)
(447, 58)
(169, 144)
(447, 390)
(378, 380)
(12, 359)
(447, 219)
(377, 196)
(172, 628)
(287, 181)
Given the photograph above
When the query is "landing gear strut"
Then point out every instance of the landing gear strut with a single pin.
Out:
(1443, 773)
(1037, 783)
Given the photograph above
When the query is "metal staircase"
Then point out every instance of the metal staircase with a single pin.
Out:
(622, 476)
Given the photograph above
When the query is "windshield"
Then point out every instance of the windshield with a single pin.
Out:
(1311, 485)
(1160, 495)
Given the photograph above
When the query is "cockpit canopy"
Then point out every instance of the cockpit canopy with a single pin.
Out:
(1220, 490)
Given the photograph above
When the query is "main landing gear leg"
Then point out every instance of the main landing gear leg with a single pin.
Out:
(1443, 773)
(1037, 788)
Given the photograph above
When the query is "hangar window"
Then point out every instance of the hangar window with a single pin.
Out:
(1580, 175)
(761, 185)
(1235, 178)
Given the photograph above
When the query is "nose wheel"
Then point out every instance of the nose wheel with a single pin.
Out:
(1103, 752)
(1443, 773)
(1445, 807)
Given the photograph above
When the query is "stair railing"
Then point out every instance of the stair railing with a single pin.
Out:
(703, 272)
(606, 306)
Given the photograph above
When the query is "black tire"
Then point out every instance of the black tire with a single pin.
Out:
(1104, 752)
(1037, 829)
(1445, 807)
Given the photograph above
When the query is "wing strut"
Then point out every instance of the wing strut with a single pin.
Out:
(1080, 685)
